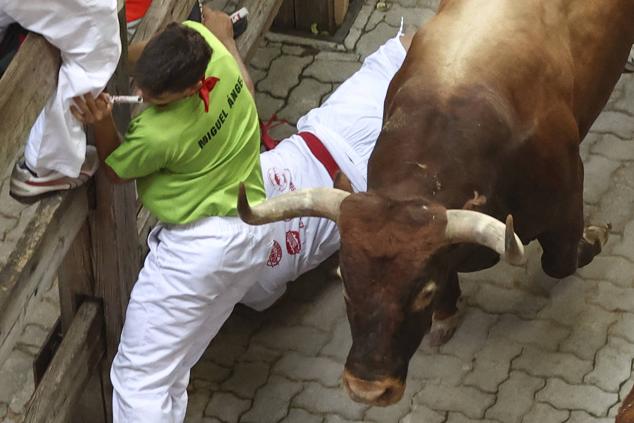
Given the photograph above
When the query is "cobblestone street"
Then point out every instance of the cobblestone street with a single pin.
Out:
(529, 349)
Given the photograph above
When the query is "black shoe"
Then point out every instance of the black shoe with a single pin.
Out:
(240, 23)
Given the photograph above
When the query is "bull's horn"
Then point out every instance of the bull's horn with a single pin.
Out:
(317, 202)
(480, 228)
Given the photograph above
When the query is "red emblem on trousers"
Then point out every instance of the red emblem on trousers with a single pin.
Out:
(293, 242)
(281, 179)
(275, 256)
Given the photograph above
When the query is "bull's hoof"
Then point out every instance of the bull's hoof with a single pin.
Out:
(442, 330)
(594, 234)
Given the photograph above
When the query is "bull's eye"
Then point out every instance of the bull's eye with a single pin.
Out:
(425, 296)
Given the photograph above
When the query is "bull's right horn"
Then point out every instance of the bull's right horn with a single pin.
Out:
(317, 202)
(480, 228)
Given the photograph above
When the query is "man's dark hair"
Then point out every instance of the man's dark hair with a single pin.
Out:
(173, 60)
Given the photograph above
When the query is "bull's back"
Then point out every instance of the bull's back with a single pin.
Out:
(533, 53)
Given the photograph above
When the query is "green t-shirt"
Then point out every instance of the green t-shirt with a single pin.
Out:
(188, 163)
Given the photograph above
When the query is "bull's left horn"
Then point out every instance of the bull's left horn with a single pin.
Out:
(480, 228)
(317, 202)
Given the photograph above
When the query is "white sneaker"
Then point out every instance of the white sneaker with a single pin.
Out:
(26, 186)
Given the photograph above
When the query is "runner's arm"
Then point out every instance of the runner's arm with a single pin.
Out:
(98, 113)
(219, 23)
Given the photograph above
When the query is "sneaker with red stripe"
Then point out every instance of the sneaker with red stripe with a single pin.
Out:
(26, 186)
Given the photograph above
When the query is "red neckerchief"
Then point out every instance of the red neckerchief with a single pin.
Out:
(207, 86)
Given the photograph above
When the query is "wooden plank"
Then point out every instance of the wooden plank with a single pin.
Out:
(285, 18)
(160, 13)
(261, 15)
(320, 12)
(35, 260)
(77, 357)
(75, 276)
(28, 83)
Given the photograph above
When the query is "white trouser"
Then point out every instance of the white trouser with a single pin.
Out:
(195, 274)
(87, 34)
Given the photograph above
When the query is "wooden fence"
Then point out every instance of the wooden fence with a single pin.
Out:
(87, 238)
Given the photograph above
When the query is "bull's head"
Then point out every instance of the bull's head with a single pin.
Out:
(387, 260)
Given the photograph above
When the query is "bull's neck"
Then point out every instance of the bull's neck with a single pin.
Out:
(442, 150)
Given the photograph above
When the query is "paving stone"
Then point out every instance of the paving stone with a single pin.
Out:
(246, 378)
(497, 300)
(223, 353)
(469, 401)
(210, 372)
(263, 57)
(293, 50)
(562, 395)
(272, 401)
(589, 333)
(352, 38)
(4, 409)
(210, 420)
(420, 414)
(226, 407)
(318, 399)
(617, 204)
(371, 41)
(256, 75)
(331, 71)
(617, 270)
(15, 374)
(267, 105)
(362, 18)
(613, 298)
(625, 247)
(567, 301)
(337, 56)
(414, 17)
(297, 415)
(196, 403)
(492, 364)
(613, 365)
(398, 411)
(543, 333)
(33, 335)
(515, 398)
(538, 362)
(614, 148)
(283, 131)
(261, 353)
(438, 367)
(471, 334)
(624, 327)
(545, 413)
(319, 369)
(286, 339)
(340, 343)
(598, 171)
(583, 417)
(303, 98)
(461, 418)
(283, 75)
(327, 310)
(616, 123)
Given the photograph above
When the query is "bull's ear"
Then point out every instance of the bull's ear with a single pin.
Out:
(342, 182)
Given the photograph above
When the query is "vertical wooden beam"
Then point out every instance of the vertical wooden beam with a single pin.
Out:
(114, 241)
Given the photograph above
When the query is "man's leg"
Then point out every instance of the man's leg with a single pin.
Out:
(88, 38)
(353, 114)
(191, 281)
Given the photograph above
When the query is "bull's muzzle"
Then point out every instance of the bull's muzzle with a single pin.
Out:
(376, 392)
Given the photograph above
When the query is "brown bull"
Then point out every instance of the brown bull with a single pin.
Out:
(493, 98)
(626, 411)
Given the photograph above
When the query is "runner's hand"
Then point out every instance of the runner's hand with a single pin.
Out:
(90, 110)
(219, 23)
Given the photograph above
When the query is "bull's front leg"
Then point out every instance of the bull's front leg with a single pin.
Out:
(569, 247)
(445, 318)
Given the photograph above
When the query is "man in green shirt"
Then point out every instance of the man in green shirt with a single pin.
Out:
(203, 260)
